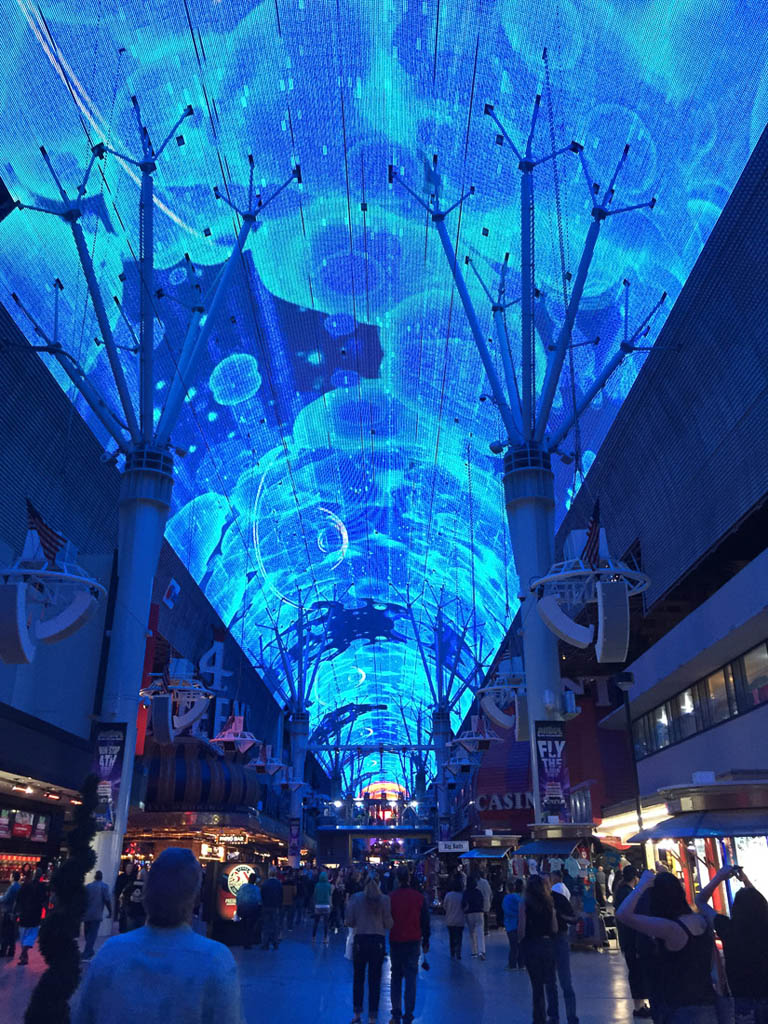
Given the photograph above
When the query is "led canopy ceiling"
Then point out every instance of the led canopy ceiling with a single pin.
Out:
(337, 435)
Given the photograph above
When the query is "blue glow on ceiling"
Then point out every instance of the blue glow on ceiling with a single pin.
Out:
(338, 447)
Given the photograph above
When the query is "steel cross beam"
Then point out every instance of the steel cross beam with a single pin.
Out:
(371, 748)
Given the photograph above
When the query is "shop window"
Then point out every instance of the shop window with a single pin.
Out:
(687, 716)
(719, 699)
(752, 676)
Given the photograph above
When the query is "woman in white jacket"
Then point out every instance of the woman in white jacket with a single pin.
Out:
(454, 917)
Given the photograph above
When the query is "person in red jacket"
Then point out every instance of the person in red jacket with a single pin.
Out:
(410, 929)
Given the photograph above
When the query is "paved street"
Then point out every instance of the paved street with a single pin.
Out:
(306, 984)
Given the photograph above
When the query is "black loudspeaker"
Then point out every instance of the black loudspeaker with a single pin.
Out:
(612, 622)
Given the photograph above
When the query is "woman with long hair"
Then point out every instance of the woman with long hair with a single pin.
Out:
(370, 914)
(683, 964)
(745, 945)
(536, 931)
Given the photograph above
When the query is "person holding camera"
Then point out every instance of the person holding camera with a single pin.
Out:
(745, 944)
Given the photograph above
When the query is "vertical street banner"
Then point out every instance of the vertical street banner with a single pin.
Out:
(294, 838)
(107, 766)
(554, 784)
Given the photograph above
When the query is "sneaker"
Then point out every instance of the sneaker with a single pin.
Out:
(482, 956)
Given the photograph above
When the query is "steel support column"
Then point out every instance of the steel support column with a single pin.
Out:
(145, 498)
(299, 727)
(530, 504)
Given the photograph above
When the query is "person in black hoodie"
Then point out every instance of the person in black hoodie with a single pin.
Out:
(472, 905)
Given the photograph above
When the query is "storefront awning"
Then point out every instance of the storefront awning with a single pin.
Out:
(547, 847)
(485, 853)
(706, 824)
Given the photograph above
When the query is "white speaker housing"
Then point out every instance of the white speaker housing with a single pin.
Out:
(612, 642)
(562, 625)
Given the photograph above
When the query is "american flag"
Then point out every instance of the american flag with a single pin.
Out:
(591, 552)
(50, 541)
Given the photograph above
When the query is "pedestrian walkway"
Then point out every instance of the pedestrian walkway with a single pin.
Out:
(301, 983)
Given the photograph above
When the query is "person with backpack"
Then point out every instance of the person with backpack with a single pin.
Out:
(8, 917)
(322, 902)
(369, 913)
(249, 910)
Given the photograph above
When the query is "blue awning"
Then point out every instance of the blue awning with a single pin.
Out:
(487, 853)
(708, 824)
(547, 847)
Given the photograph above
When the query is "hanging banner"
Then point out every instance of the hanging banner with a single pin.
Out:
(109, 748)
(294, 839)
(554, 784)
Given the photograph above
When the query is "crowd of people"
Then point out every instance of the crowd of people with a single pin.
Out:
(675, 970)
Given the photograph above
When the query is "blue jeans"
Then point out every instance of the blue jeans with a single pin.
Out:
(563, 968)
(404, 957)
(751, 1011)
(90, 931)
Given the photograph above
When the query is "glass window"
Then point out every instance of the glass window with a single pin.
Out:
(754, 677)
(661, 727)
(686, 714)
(718, 703)
(640, 737)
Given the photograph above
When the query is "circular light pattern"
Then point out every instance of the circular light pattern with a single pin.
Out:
(235, 379)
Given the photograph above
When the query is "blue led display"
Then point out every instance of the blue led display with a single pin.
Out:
(337, 441)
